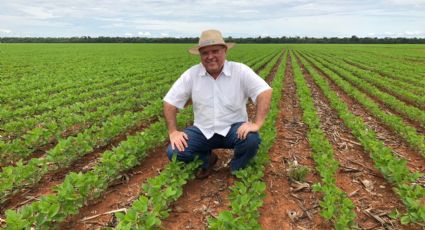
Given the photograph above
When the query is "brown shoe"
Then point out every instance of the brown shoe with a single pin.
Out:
(204, 173)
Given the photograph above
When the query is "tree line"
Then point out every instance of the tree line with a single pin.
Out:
(264, 40)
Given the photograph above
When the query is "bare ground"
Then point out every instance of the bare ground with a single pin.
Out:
(284, 207)
(365, 185)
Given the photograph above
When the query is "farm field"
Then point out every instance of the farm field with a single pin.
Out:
(83, 140)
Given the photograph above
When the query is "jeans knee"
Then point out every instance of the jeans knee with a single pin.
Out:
(253, 140)
(180, 156)
(171, 152)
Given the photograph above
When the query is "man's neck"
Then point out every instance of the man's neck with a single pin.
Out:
(216, 74)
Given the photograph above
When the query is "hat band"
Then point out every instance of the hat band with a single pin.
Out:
(207, 42)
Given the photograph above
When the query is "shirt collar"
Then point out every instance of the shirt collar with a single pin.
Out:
(225, 71)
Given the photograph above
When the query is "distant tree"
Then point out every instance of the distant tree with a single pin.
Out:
(101, 39)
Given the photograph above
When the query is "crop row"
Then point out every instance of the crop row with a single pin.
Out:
(23, 147)
(67, 91)
(393, 168)
(19, 125)
(393, 62)
(370, 63)
(408, 133)
(414, 87)
(159, 192)
(411, 112)
(35, 69)
(14, 178)
(390, 86)
(79, 188)
(335, 204)
(76, 95)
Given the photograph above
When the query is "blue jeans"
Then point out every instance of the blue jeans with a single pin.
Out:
(198, 144)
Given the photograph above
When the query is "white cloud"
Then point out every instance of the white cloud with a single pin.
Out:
(413, 33)
(416, 3)
(145, 34)
(5, 31)
(234, 18)
(128, 34)
(251, 11)
(37, 12)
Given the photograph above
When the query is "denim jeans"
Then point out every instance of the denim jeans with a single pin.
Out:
(244, 150)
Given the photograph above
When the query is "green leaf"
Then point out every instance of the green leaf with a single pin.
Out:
(405, 219)
(394, 214)
(226, 216)
(152, 221)
(53, 210)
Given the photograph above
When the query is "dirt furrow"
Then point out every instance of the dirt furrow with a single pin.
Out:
(265, 64)
(391, 139)
(357, 176)
(120, 194)
(272, 73)
(202, 198)
(83, 164)
(373, 69)
(284, 208)
(420, 129)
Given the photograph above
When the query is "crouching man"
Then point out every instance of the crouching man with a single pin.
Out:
(219, 90)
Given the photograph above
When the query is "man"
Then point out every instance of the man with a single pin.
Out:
(219, 90)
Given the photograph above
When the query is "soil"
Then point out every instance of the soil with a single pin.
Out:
(83, 164)
(282, 202)
(120, 194)
(417, 125)
(364, 184)
(415, 161)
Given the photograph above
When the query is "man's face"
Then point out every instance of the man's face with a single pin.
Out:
(212, 57)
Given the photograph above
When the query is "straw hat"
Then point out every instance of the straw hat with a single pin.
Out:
(209, 38)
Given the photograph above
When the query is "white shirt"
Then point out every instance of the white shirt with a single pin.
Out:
(217, 103)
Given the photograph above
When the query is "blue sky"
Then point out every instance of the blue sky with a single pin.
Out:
(163, 18)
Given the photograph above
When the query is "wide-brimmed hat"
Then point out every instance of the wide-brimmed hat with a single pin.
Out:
(209, 38)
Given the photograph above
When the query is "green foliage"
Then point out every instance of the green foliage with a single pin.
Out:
(335, 204)
(79, 188)
(393, 168)
(407, 132)
(159, 192)
(298, 172)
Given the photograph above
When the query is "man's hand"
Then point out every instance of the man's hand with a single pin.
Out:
(245, 128)
(178, 140)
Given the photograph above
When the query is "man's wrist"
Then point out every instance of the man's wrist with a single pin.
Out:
(172, 131)
(258, 124)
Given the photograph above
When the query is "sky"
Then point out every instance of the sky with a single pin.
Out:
(187, 18)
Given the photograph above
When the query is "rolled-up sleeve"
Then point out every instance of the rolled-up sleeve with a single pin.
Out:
(180, 92)
(253, 84)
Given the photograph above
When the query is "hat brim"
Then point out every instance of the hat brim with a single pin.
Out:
(195, 49)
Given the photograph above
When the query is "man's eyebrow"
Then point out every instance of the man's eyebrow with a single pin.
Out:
(213, 50)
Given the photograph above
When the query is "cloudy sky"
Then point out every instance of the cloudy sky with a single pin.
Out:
(241, 18)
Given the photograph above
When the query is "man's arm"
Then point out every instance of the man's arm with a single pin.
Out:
(178, 139)
(262, 108)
